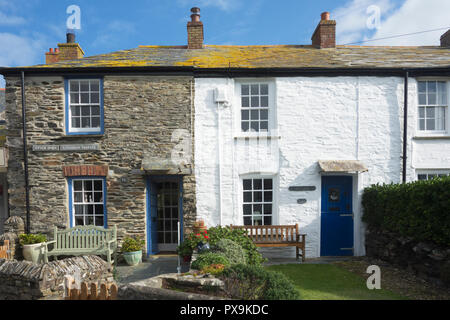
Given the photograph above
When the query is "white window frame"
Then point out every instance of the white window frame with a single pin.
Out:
(94, 130)
(437, 133)
(272, 112)
(274, 196)
(435, 172)
(85, 202)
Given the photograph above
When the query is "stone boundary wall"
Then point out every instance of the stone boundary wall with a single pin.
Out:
(24, 280)
(426, 259)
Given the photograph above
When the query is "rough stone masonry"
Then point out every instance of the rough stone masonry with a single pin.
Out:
(140, 116)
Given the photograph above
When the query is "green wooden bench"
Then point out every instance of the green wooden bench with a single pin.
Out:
(83, 240)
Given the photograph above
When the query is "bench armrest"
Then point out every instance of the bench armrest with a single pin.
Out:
(301, 235)
(45, 244)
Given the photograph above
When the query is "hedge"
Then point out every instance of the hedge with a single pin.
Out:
(419, 209)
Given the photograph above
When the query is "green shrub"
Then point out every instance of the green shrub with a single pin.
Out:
(230, 249)
(417, 209)
(252, 282)
(218, 233)
(25, 239)
(207, 259)
(132, 244)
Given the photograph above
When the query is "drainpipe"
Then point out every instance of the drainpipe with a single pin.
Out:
(405, 125)
(25, 155)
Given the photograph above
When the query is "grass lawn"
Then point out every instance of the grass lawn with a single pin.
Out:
(330, 282)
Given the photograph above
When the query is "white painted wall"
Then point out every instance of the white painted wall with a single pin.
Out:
(317, 118)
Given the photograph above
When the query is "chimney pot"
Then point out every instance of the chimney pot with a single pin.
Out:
(50, 50)
(445, 39)
(325, 34)
(195, 30)
(70, 37)
(325, 16)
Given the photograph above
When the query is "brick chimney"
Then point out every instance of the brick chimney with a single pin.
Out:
(195, 30)
(65, 51)
(325, 34)
(445, 39)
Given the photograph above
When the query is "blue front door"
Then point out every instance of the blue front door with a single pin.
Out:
(337, 216)
(152, 205)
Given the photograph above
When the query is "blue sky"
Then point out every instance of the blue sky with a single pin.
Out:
(29, 27)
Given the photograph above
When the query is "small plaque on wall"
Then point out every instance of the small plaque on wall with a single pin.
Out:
(302, 188)
(301, 201)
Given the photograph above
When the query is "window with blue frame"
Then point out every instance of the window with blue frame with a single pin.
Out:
(87, 201)
(84, 114)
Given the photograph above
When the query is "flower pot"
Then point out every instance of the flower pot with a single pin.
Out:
(33, 252)
(133, 258)
(187, 258)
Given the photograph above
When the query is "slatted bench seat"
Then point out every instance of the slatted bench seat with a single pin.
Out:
(82, 240)
(276, 236)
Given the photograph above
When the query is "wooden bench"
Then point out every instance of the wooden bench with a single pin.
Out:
(83, 240)
(276, 236)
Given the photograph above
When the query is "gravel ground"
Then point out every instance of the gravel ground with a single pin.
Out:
(397, 280)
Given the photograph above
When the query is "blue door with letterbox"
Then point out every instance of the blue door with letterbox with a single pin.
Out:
(337, 216)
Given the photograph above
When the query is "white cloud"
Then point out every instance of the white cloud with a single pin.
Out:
(411, 16)
(21, 50)
(11, 20)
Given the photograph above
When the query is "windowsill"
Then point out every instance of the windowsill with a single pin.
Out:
(256, 135)
(83, 135)
(436, 136)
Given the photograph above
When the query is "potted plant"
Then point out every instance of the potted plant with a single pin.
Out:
(32, 246)
(132, 250)
(202, 241)
(185, 250)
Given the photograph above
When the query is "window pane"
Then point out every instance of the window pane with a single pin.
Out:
(248, 221)
(84, 97)
(85, 122)
(422, 86)
(264, 89)
(87, 185)
(257, 184)
(257, 197)
(74, 86)
(255, 115)
(430, 124)
(254, 126)
(89, 209)
(247, 184)
(77, 185)
(78, 197)
(268, 184)
(245, 115)
(431, 86)
(245, 90)
(75, 111)
(430, 112)
(85, 111)
(98, 209)
(98, 185)
(264, 125)
(98, 197)
(245, 126)
(257, 209)
(254, 89)
(432, 98)
(268, 196)
(74, 98)
(422, 124)
(247, 209)
(422, 112)
(95, 85)
(247, 196)
(267, 220)
(257, 221)
(267, 209)
(89, 220)
(422, 99)
(264, 101)
(84, 86)
(78, 209)
(99, 221)
(422, 177)
(95, 98)
(95, 122)
(255, 101)
(245, 102)
(79, 221)
(264, 114)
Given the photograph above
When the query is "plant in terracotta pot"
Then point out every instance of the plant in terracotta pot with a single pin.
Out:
(132, 250)
(186, 248)
(32, 246)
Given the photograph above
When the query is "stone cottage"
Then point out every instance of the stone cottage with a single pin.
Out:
(149, 137)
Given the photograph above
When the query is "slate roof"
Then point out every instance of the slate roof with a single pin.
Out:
(267, 56)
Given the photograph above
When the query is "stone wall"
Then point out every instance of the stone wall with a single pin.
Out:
(24, 280)
(424, 258)
(140, 114)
